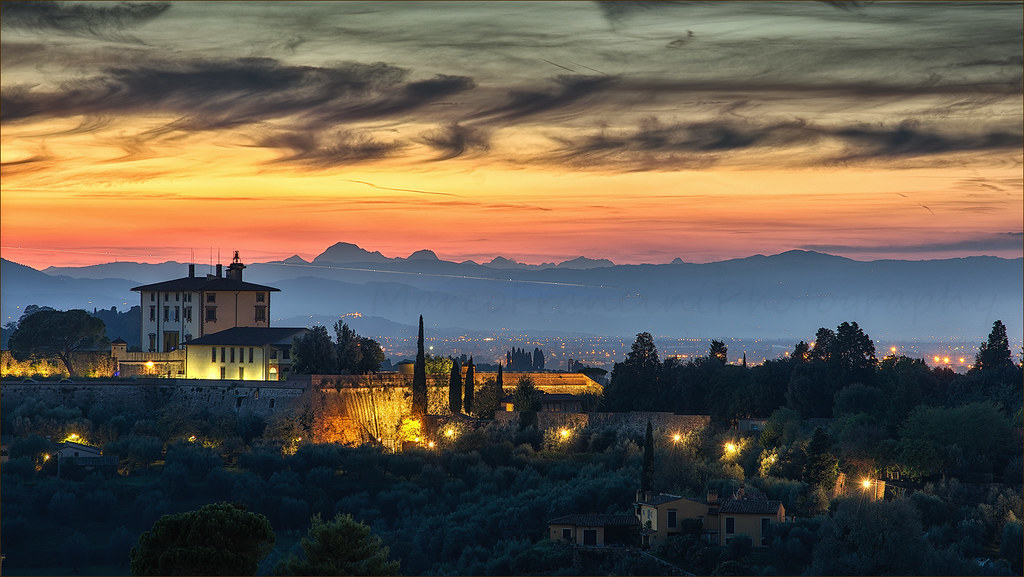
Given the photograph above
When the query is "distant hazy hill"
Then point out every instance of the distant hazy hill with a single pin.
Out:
(788, 295)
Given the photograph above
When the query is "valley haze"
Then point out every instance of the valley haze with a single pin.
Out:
(766, 303)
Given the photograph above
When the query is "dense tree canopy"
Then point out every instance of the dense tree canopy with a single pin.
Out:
(218, 539)
(57, 333)
(341, 546)
(314, 353)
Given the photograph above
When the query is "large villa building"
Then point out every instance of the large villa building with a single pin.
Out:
(179, 310)
(215, 326)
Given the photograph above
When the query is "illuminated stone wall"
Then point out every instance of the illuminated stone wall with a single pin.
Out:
(86, 364)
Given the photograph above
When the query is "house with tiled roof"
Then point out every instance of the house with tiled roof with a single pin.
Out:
(720, 521)
(181, 309)
(594, 530)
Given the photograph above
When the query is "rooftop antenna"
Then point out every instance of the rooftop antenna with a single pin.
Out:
(211, 260)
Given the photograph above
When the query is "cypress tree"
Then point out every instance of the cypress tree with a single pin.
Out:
(647, 470)
(419, 377)
(499, 384)
(470, 384)
(455, 388)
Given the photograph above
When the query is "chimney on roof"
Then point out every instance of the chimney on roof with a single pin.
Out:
(235, 268)
(191, 271)
(712, 497)
(220, 270)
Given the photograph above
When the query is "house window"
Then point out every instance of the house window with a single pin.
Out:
(232, 354)
(176, 311)
(766, 524)
(167, 314)
(566, 534)
(167, 297)
(223, 373)
(177, 297)
(211, 314)
(261, 313)
(287, 353)
(187, 297)
(152, 313)
(152, 297)
(590, 537)
(272, 401)
(214, 351)
(671, 518)
(211, 297)
(223, 356)
(152, 342)
(730, 525)
(260, 297)
(188, 314)
(241, 373)
(250, 354)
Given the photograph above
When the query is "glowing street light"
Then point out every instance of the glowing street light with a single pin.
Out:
(676, 438)
(866, 483)
(731, 448)
(449, 432)
(564, 433)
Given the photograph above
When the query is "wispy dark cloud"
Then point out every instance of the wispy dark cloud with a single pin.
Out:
(997, 242)
(81, 19)
(572, 91)
(341, 148)
(454, 140)
(655, 145)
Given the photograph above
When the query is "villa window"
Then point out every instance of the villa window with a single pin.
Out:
(566, 534)
(211, 314)
(167, 314)
(152, 342)
(152, 313)
(260, 297)
(223, 355)
(250, 354)
(188, 314)
(672, 518)
(766, 523)
(211, 297)
(177, 297)
(167, 297)
(176, 311)
(152, 297)
(214, 351)
(232, 354)
(261, 313)
(730, 525)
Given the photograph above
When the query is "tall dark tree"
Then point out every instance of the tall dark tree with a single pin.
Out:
(499, 383)
(719, 352)
(801, 352)
(538, 360)
(634, 381)
(822, 467)
(470, 384)
(995, 352)
(455, 388)
(57, 333)
(218, 539)
(526, 396)
(313, 353)
(854, 353)
(647, 470)
(347, 350)
(371, 356)
(419, 377)
(341, 546)
(822, 345)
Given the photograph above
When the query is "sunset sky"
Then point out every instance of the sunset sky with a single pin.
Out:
(637, 132)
